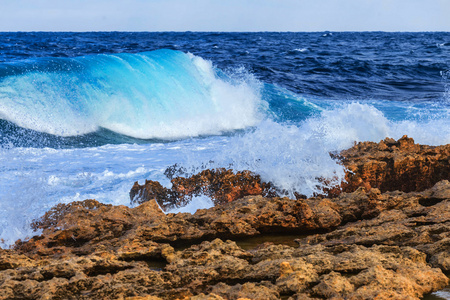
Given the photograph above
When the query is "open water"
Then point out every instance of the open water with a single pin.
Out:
(85, 115)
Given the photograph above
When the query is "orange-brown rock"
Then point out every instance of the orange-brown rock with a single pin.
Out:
(420, 220)
(385, 245)
(88, 226)
(389, 165)
(221, 185)
(82, 227)
(366, 243)
(395, 165)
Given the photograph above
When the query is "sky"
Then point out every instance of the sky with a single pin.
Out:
(224, 15)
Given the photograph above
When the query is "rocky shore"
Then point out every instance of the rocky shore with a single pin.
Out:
(382, 234)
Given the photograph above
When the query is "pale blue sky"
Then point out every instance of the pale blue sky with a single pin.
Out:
(224, 15)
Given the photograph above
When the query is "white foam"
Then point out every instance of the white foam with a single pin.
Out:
(34, 180)
(37, 101)
(292, 156)
(198, 104)
(196, 203)
(444, 294)
(296, 156)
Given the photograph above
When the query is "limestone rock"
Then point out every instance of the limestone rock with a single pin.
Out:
(365, 244)
(395, 165)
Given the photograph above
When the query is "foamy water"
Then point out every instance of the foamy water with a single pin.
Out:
(273, 104)
(292, 156)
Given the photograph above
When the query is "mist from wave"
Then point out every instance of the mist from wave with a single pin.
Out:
(292, 155)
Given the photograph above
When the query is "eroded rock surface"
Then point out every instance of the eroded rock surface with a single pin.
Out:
(370, 243)
(389, 165)
(360, 245)
(221, 185)
(392, 165)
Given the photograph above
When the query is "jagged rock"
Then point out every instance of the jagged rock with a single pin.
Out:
(388, 165)
(96, 276)
(248, 290)
(315, 270)
(154, 190)
(334, 285)
(83, 230)
(221, 185)
(372, 236)
(88, 226)
(420, 220)
(363, 244)
(394, 165)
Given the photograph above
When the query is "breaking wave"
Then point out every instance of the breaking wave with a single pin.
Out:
(163, 94)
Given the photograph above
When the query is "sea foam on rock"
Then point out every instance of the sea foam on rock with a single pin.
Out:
(363, 244)
(388, 165)
(221, 185)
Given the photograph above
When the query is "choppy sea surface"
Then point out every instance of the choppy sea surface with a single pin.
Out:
(85, 115)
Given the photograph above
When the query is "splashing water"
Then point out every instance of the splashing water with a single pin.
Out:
(89, 126)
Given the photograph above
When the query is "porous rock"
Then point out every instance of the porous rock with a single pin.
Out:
(374, 245)
(367, 243)
(392, 165)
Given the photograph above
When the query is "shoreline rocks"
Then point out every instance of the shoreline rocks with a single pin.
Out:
(358, 245)
(366, 242)
(389, 165)
(392, 165)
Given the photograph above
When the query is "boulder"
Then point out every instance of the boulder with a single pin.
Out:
(392, 165)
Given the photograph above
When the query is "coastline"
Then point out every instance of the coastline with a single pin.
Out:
(384, 233)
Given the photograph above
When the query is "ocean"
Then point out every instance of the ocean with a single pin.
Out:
(85, 115)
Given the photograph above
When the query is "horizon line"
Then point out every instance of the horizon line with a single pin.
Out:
(201, 31)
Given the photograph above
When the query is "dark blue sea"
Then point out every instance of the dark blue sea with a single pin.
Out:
(85, 115)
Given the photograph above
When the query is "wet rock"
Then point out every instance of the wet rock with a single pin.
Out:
(154, 190)
(388, 166)
(221, 185)
(364, 244)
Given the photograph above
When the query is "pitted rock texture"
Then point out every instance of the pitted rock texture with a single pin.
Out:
(392, 165)
(386, 235)
(389, 165)
(360, 245)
